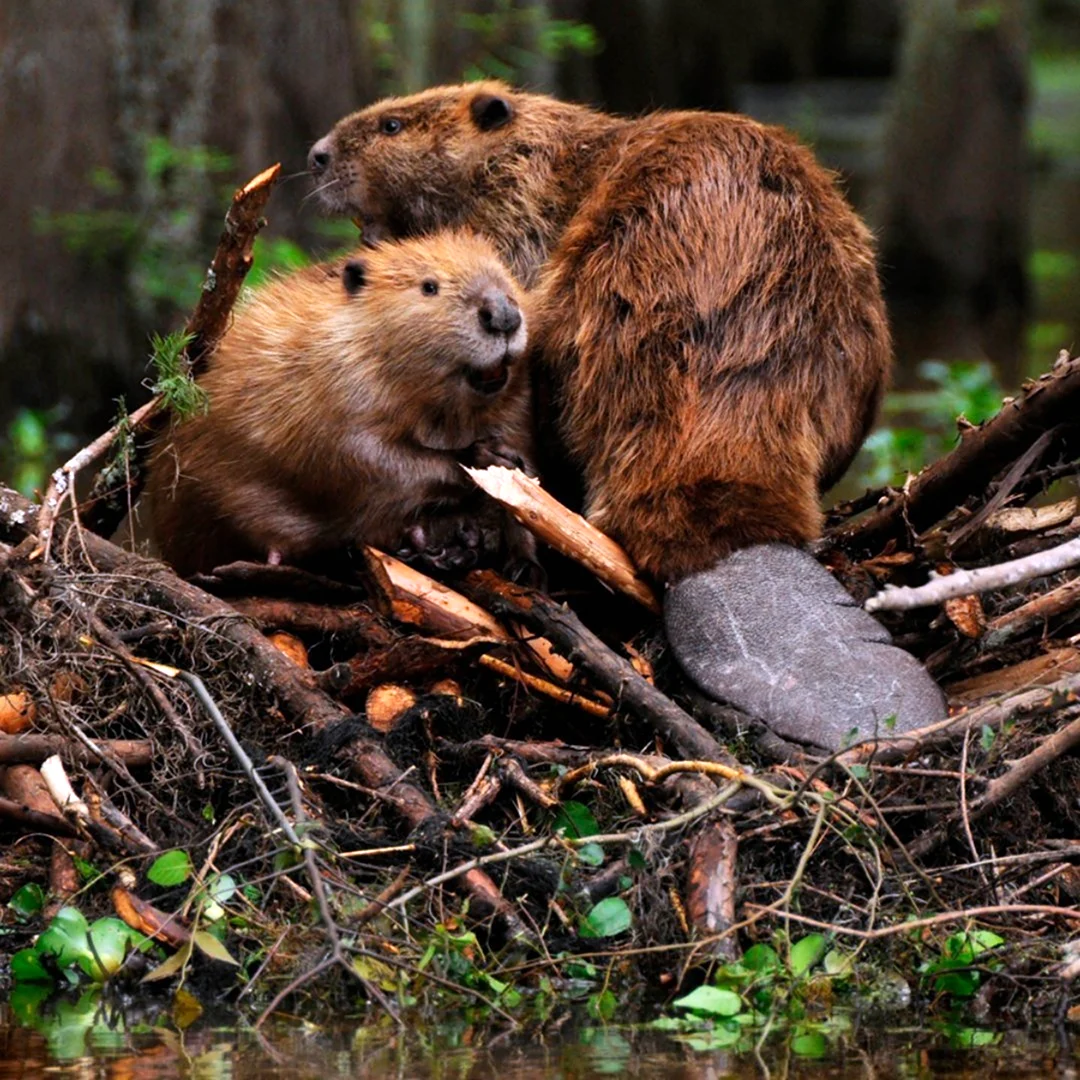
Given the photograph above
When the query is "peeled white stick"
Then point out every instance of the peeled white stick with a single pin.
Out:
(567, 532)
(942, 587)
(56, 780)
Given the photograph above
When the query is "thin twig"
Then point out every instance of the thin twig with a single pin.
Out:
(982, 579)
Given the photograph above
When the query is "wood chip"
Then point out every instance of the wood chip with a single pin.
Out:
(387, 704)
(17, 712)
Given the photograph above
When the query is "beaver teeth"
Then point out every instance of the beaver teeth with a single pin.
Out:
(490, 380)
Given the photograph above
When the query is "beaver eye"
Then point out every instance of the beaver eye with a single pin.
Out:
(390, 126)
(429, 287)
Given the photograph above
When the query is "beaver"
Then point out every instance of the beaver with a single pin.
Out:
(707, 315)
(707, 331)
(341, 401)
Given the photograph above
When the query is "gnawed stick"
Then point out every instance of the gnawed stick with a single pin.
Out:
(981, 579)
(712, 882)
(567, 532)
(34, 749)
(24, 786)
(420, 601)
(233, 258)
(1013, 623)
(542, 686)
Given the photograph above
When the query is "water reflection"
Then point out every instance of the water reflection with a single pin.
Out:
(82, 1038)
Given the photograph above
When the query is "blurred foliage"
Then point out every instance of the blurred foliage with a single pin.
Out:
(506, 42)
(961, 388)
(35, 440)
(149, 228)
(499, 55)
(1054, 132)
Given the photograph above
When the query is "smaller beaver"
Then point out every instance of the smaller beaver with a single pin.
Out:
(341, 401)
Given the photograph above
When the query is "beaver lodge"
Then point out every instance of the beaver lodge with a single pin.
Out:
(381, 787)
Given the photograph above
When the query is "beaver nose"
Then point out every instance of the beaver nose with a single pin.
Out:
(318, 158)
(499, 314)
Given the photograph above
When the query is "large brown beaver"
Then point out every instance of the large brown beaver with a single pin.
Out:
(340, 402)
(709, 325)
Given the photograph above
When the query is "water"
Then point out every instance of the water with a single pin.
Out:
(93, 1046)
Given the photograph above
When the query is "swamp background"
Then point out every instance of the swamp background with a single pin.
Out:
(955, 125)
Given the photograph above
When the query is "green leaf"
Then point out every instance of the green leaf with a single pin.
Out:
(635, 860)
(213, 948)
(813, 1045)
(761, 957)
(26, 966)
(27, 901)
(987, 738)
(719, 1038)
(602, 1006)
(805, 953)
(710, 1001)
(838, 963)
(591, 854)
(576, 820)
(860, 772)
(962, 984)
(87, 870)
(65, 939)
(112, 938)
(608, 918)
(172, 868)
(982, 940)
(482, 836)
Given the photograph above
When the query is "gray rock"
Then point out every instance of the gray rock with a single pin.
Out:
(769, 630)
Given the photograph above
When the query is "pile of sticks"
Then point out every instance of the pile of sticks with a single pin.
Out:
(385, 690)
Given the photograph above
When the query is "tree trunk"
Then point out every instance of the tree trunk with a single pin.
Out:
(85, 87)
(956, 190)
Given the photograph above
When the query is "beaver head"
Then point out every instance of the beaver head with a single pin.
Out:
(443, 333)
(506, 163)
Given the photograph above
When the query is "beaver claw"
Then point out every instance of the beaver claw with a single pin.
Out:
(451, 543)
(769, 630)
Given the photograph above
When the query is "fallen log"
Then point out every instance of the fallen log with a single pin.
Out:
(982, 453)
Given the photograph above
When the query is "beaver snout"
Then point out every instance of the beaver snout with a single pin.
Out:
(498, 314)
(318, 158)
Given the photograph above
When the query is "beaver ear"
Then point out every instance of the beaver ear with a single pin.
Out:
(354, 276)
(490, 111)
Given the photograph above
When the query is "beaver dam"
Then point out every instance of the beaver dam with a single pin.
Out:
(284, 788)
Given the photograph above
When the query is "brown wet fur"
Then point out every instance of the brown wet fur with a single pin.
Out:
(338, 418)
(707, 319)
